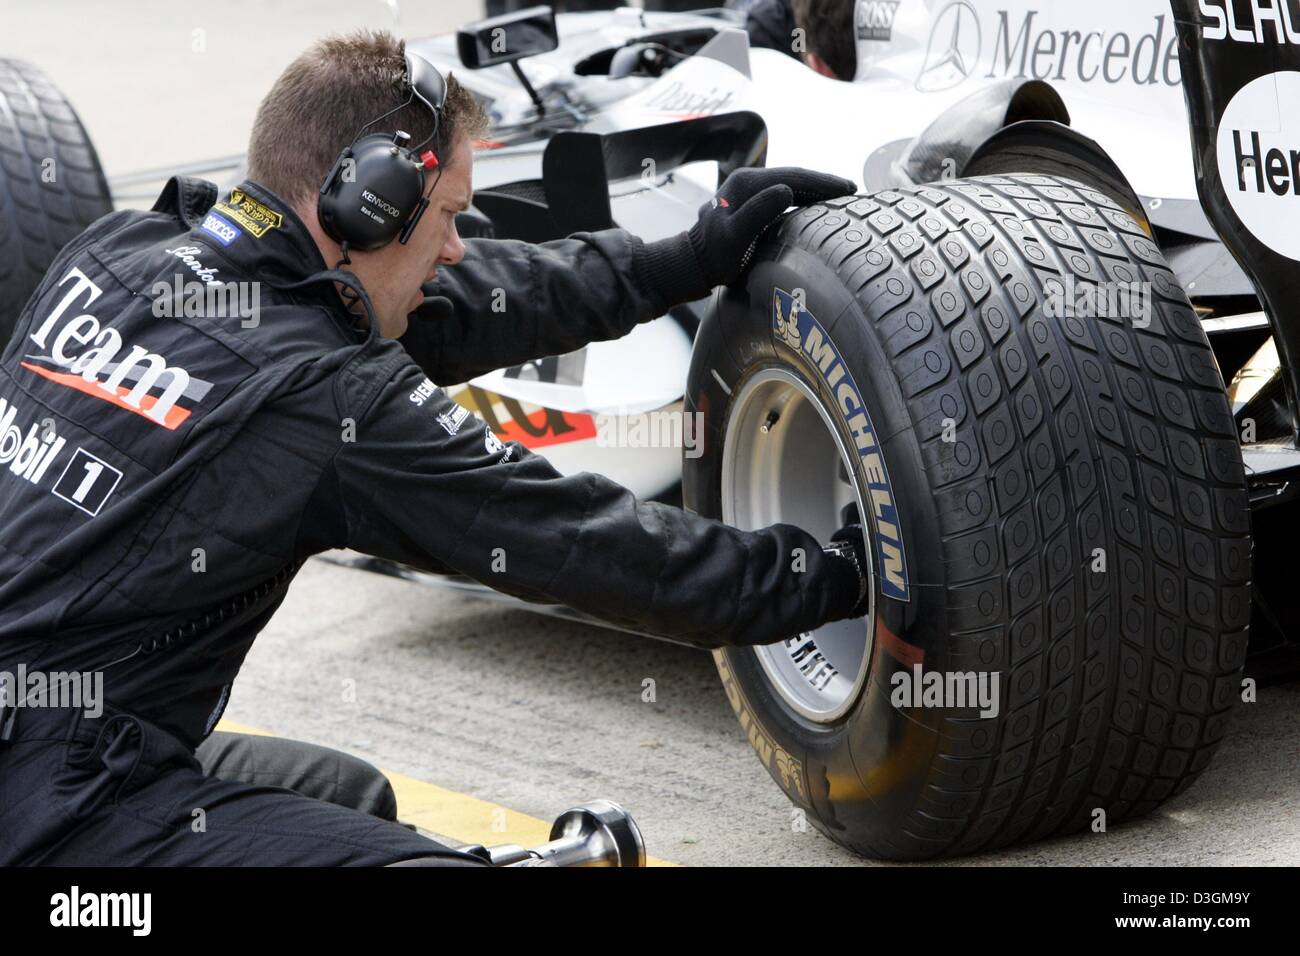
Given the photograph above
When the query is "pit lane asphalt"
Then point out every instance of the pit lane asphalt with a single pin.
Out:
(516, 710)
(536, 714)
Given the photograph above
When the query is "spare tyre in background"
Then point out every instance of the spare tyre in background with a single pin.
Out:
(1056, 507)
(51, 183)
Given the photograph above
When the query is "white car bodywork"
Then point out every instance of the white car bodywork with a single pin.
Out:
(1114, 63)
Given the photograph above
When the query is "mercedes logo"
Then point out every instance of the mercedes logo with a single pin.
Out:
(953, 49)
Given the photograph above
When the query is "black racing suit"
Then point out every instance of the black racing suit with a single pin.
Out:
(169, 456)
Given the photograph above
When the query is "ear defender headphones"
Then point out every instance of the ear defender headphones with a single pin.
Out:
(375, 191)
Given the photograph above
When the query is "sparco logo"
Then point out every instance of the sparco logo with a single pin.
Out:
(875, 19)
(1258, 154)
(1283, 20)
(28, 454)
(1024, 48)
(374, 200)
(81, 371)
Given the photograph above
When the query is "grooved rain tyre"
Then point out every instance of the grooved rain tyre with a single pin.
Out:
(38, 217)
(1069, 440)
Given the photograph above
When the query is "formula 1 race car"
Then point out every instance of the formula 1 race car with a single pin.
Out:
(1007, 357)
(629, 118)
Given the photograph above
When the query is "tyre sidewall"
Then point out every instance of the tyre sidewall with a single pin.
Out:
(861, 774)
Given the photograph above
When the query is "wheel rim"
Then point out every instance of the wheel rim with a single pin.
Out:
(795, 469)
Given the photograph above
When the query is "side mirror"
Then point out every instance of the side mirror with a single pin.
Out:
(507, 38)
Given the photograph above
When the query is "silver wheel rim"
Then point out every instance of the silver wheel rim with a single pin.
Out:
(795, 469)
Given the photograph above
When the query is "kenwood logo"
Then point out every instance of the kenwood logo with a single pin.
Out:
(155, 387)
(374, 200)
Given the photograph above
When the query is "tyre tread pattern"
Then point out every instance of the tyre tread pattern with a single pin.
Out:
(39, 217)
(1076, 439)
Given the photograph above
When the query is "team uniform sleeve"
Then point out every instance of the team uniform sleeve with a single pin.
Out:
(427, 484)
(514, 301)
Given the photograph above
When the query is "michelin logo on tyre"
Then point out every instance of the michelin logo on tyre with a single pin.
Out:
(798, 329)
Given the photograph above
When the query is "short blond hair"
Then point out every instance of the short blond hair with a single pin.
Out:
(327, 94)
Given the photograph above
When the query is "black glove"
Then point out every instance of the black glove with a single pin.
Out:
(849, 545)
(717, 248)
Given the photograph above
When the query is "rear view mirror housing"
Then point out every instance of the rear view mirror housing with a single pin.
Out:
(507, 38)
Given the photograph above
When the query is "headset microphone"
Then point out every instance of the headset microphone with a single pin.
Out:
(414, 220)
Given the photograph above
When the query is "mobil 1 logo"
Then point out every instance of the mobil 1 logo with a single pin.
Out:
(1258, 149)
(87, 482)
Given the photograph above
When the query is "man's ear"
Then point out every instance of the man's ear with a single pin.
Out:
(818, 65)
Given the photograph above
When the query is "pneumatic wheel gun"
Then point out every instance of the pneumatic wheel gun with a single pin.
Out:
(598, 833)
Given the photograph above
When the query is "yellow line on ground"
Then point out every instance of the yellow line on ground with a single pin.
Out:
(457, 816)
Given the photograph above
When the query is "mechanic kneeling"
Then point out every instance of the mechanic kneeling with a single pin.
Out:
(171, 471)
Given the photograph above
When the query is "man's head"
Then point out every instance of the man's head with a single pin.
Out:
(830, 33)
(314, 111)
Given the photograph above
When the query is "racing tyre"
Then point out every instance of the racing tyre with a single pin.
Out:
(51, 183)
(1049, 156)
(1055, 504)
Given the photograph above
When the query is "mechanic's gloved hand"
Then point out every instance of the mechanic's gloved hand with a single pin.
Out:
(717, 248)
(749, 201)
(849, 545)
